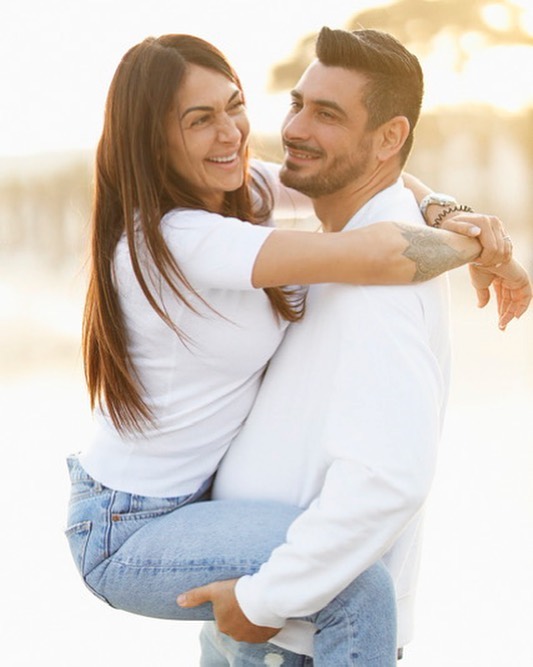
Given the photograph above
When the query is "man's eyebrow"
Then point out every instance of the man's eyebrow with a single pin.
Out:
(319, 102)
(235, 94)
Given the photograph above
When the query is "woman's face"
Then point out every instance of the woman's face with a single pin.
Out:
(207, 131)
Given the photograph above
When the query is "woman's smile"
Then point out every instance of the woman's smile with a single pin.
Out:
(207, 133)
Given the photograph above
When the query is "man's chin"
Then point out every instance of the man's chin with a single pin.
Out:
(290, 178)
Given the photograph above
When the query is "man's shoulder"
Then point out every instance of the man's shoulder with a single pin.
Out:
(395, 203)
(383, 306)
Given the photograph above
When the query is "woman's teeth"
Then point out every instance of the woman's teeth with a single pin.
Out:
(229, 158)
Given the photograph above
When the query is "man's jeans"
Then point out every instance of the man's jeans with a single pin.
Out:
(139, 553)
(219, 650)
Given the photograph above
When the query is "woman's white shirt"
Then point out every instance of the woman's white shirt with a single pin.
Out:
(201, 386)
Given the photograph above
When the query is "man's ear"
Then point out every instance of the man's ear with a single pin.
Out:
(392, 136)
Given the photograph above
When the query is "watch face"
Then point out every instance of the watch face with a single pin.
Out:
(436, 198)
(442, 199)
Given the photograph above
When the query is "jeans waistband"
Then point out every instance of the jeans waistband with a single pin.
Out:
(78, 474)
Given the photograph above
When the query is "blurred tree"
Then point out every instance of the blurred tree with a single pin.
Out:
(419, 24)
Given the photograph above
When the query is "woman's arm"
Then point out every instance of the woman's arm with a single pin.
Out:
(386, 253)
(381, 254)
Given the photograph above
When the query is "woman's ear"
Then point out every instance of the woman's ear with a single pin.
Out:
(392, 136)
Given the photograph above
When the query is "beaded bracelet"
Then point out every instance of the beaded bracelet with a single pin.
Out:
(451, 209)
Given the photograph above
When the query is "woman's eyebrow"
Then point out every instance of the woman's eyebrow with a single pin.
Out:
(235, 94)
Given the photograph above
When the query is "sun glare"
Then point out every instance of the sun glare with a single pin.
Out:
(493, 76)
(497, 16)
(69, 78)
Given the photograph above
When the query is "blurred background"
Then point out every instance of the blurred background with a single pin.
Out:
(475, 140)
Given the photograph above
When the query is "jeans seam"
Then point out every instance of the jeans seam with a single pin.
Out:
(108, 526)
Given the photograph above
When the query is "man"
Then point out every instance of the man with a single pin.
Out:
(348, 418)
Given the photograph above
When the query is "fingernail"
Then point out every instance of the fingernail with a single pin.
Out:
(475, 230)
(182, 600)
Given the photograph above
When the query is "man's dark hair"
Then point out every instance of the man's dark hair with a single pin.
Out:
(395, 81)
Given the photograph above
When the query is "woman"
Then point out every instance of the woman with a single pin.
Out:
(177, 333)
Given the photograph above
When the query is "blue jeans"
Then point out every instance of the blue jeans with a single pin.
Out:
(138, 553)
(219, 650)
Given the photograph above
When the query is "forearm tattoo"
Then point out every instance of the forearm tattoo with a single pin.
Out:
(431, 255)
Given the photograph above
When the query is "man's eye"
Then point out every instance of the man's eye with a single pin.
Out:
(237, 106)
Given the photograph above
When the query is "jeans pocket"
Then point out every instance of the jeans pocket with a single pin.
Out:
(125, 524)
(130, 512)
(78, 539)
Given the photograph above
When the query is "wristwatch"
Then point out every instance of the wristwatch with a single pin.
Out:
(436, 198)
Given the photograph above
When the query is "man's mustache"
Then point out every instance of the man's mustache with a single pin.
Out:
(302, 148)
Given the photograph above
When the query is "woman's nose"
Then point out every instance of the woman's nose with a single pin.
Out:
(228, 131)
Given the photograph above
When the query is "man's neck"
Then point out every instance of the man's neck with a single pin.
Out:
(337, 209)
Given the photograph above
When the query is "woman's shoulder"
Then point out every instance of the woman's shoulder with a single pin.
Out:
(288, 204)
(265, 171)
(192, 226)
(184, 218)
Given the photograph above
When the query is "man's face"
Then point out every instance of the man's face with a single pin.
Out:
(327, 145)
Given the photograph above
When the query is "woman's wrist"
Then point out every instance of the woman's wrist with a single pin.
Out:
(449, 212)
(437, 207)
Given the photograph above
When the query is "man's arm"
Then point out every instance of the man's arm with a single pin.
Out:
(381, 425)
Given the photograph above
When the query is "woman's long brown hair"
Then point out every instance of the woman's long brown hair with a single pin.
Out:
(134, 188)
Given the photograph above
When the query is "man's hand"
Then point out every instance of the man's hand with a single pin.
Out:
(496, 244)
(228, 615)
(512, 287)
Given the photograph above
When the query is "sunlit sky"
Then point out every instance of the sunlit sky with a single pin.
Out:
(57, 58)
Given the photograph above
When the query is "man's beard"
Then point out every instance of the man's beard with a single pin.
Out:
(341, 173)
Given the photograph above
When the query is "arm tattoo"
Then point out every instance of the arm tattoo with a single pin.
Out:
(431, 255)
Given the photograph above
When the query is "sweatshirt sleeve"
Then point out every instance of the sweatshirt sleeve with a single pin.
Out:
(381, 429)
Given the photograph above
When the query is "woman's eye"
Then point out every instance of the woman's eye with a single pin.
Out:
(202, 120)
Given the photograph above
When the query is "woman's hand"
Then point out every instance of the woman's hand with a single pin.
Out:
(496, 244)
(512, 287)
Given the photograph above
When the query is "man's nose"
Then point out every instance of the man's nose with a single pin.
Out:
(296, 126)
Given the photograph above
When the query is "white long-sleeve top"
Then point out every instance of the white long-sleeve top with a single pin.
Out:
(346, 424)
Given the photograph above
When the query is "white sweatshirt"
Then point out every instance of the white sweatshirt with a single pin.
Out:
(346, 424)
